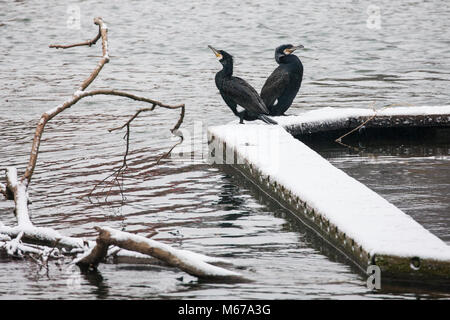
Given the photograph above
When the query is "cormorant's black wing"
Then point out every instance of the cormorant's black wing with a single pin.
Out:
(274, 87)
(244, 95)
(230, 102)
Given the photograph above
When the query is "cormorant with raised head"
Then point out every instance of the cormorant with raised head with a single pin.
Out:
(236, 91)
(283, 84)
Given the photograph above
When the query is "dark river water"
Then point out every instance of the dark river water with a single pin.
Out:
(159, 49)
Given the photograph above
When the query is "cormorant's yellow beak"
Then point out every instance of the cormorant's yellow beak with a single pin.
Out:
(292, 49)
(217, 53)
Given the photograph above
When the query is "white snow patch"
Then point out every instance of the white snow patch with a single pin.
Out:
(78, 93)
(46, 234)
(4, 237)
(12, 246)
(329, 114)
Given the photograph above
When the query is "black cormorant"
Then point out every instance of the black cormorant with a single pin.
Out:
(236, 91)
(283, 84)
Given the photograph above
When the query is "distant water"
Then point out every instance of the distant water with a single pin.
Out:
(159, 49)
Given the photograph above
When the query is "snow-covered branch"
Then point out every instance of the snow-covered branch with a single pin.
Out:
(3, 190)
(195, 264)
(40, 244)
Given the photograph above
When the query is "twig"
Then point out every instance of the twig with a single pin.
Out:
(86, 43)
(165, 155)
(339, 140)
(129, 96)
(119, 173)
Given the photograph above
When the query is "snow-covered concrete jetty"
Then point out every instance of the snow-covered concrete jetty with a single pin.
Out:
(351, 217)
(339, 119)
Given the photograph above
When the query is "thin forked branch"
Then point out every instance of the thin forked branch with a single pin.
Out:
(81, 93)
(339, 140)
(85, 43)
(47, 116)
(117, 176)
(103, 34)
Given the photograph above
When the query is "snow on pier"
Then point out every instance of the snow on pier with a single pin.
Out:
(327, 119)
(351, 217)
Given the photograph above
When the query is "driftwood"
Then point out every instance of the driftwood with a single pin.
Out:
(42, 244)
(190, 262)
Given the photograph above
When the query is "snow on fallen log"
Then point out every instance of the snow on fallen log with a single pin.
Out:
(4, 237)
(25, 231)
(16, 248)
(4, 190)
(19, 189)
(43, 236)
(11, 246)
(193, 263)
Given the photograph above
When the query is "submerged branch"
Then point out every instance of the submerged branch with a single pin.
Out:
(190, 262)
(339, 140)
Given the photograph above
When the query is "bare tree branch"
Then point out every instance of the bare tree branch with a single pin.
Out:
(103, 34)
(80, 94)
(192, 263)
(43, 242)
(86, 43)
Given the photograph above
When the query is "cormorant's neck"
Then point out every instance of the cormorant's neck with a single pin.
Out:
(289, 59)
(228, 69)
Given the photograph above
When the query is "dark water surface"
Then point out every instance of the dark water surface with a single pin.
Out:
(411, 171)
(159, 49)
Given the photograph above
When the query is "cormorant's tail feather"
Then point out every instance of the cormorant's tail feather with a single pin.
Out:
(266, 119)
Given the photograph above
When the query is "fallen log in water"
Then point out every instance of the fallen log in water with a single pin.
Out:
(41, 242)
(190, 262)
